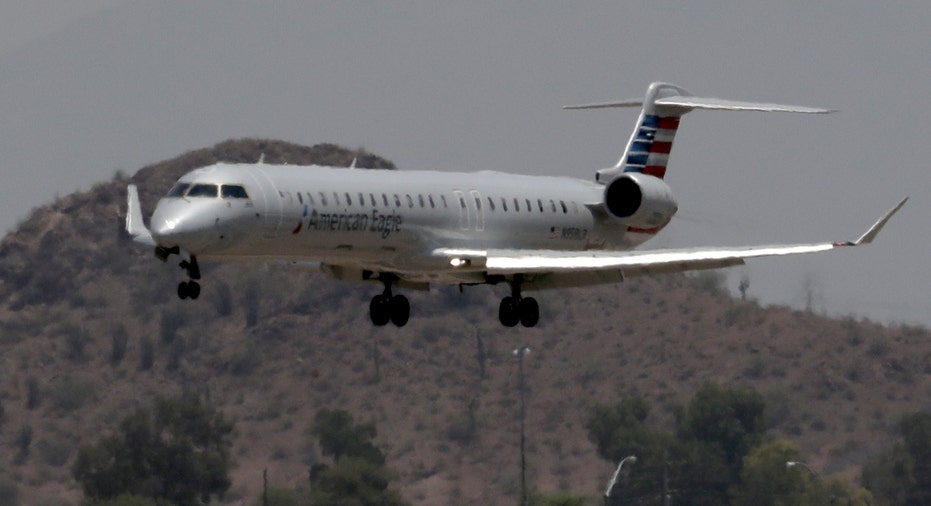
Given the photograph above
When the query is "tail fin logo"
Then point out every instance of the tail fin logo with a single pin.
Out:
(650, 148)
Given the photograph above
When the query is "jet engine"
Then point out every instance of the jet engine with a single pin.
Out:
(640, 200)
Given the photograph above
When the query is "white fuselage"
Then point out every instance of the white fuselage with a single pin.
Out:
(384, 220)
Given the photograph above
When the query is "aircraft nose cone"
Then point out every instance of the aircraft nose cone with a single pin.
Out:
(180, 224)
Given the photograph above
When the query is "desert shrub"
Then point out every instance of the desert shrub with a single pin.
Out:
(9, 493)
(54, 453)
(146, 354)
(119, 342)
(33, 393)
(69, 394)
(75, 342)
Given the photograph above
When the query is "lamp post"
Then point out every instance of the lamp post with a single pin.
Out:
(798, 463)
(633, 460)
(793, 463)
(519, 353)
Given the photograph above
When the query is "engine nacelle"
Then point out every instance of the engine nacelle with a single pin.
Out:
(640, 200)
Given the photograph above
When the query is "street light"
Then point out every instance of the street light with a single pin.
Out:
(519, 353)
(793, 463)
(633, 460)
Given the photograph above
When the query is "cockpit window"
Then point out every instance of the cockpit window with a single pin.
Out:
(203, 190)
(230, 191)
(178, 190)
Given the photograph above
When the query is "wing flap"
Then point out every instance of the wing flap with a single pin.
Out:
(504, 262)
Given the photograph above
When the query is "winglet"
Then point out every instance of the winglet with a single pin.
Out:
(878, 226)
(134, 224)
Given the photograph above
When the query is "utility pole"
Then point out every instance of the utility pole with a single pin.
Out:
(519, 353)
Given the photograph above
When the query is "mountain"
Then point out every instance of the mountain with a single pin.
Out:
(91, 328)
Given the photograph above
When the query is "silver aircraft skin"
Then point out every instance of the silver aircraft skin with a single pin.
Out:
(411, 229)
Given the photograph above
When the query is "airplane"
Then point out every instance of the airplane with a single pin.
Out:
(414, 229)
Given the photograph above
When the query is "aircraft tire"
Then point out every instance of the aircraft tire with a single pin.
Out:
(183, 291)
(379, 310)
(400, 309)
(193, 289)
(507, 312)
(529, 311)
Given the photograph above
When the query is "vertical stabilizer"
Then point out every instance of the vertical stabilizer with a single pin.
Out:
(650, 144)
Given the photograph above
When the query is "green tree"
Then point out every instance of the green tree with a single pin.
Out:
(622, 430)
(177, 452)
(353, 481)
(730, 419)
(765, 480)
(768, 479)
(339, 436)
(902, 474)
(358, 475)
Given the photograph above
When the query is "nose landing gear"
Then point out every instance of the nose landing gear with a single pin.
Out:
(189, 289)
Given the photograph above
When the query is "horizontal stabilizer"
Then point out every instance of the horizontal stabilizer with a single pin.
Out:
(718, 104)
(688, 103)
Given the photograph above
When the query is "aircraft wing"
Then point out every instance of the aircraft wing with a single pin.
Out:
(579, 268)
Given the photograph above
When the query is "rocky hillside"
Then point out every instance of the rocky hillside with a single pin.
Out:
(90, 327)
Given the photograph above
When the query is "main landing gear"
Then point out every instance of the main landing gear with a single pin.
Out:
(516, 309)
(189, 289)
(387, 307)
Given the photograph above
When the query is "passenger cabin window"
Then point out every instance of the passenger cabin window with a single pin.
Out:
(443, 198)
(203, 190)
(178, 190)
(384, 198)
(372, 200)
(516, 205)
(420, 200)
(430, 198)
(348, 200)
(540, 203)
(323, 198)
(410, 201)
(491, 204)
(564, 208)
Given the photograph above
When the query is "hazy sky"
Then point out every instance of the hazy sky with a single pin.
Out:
(87, 88)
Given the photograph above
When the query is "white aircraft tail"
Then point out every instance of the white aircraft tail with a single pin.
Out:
(650, 144)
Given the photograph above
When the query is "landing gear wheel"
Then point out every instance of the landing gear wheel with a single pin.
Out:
(507, 312)
(400, 310)
(529, 311)
(188, 289)
(193, 288)
(380, 310)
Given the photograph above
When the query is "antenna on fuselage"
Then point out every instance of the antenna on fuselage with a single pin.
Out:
(261, 159)
(353, 164)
